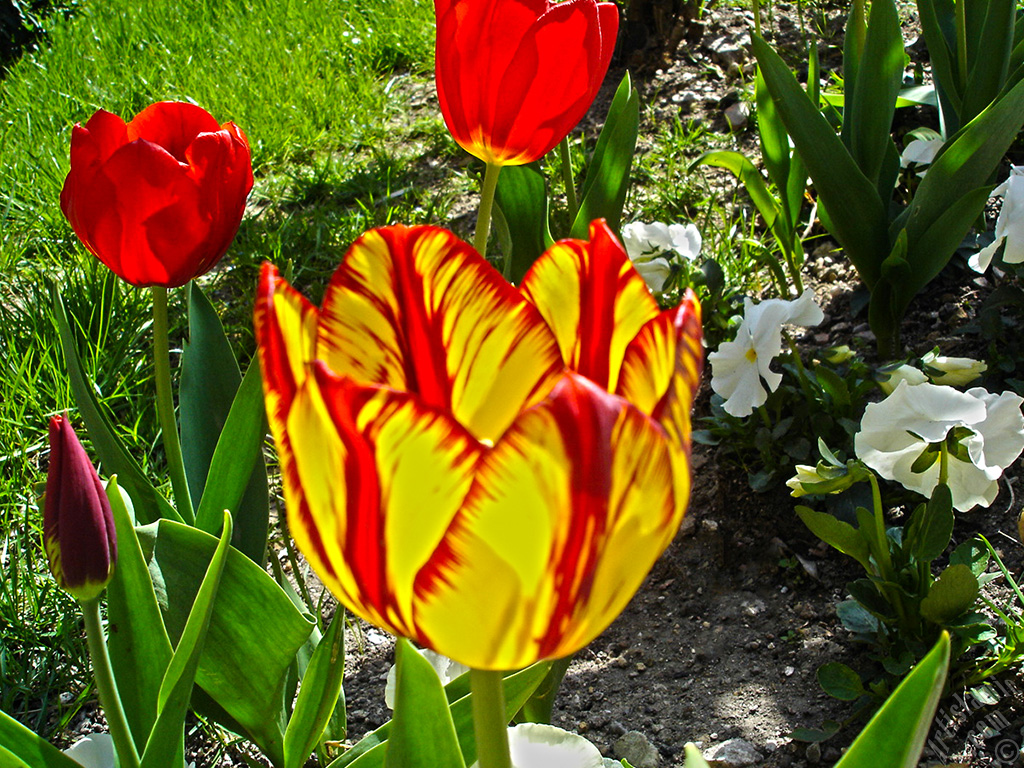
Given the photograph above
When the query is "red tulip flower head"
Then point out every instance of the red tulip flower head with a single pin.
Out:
(78, 526)
(159, 199)
(515, 76)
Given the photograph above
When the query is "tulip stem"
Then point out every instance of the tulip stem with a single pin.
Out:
(570, 183)
(489, 723)
(165, 406)
(128, 756)
(483, 216)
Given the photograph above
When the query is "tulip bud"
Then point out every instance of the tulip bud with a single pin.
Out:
(78, 526)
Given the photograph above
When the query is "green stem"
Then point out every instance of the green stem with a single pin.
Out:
(802, 377)
(483, 216)
(127, 755)
(757, 18)
(884, 558)
(489, 723)
(165, 406)
(943, 463)
(567, 178)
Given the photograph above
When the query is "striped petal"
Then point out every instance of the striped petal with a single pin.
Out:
(373, 478)
(418, 310)
(593, 300)
(567, 514)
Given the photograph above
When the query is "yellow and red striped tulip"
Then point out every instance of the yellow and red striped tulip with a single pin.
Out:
(488, 471)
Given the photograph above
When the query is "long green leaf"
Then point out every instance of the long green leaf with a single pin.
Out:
(139, 647)
(320, 694)
(868, 113)
(895, 736)
(991, 61)
(222, 431)
(236, 465)
(936, 18)
(167, 736)
(29, 748)
(254, 633)
(607, 180)
(522, 199)
(149, 504)
(519, 686)
(966, 163)
(747, 173)
(855, 212)
(422, 732)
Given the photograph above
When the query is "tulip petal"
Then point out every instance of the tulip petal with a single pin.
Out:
(172, 125)
(418, 310)
(381, 476)
(567, 513)
(593, 300)
(285, 324)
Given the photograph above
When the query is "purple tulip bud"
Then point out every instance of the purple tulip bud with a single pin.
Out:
(78, 526)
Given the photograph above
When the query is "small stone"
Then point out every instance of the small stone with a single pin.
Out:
(737, 115)
(734, 753)
(813, 753)
(634, 747)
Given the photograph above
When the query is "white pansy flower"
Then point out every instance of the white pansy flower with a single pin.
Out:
(952, 371)
(534, 745)
(920, 152)
(446, 669)
(647, 245)
(1009, 224)
(904, 372)
(738, 367)
(96, 751)
(895, 432)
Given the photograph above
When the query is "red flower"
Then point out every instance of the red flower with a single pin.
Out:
(515, 76)
(157, 200)
(78, 526)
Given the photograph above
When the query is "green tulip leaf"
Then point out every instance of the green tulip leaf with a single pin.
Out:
(744, 170)
(607, 179)
(136, 638)
(895, 736)
(519, 686)
(522, 200)
(855, 213)
(953, 593)
(222, 431)
(149, 504)
(694, 758)
(990, 63)
(255, 630)
(422, 732)
(21, 747)
(320, 695)
(238, 475)
(167, 736)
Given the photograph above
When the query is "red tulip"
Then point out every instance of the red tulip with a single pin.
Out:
(157, 200)
(78, 526)
(515, 76)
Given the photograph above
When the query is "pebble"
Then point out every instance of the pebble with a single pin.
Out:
(634, 747)
(737, 115)
(734, 753)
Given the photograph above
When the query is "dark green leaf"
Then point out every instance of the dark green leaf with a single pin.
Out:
(931, 526)
(840, 682)
(856, 618)
(607, 180)
(22, 747)
(523, 200)
(836, 533)
(149, 504)
(953, 593)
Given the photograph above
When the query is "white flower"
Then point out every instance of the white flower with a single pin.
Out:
(738, 367)
(533, 745)
(646, 245)
(904, 372)
(895, 432)
(920, 152)
(93, 751)
(951, 371)
(447, 670)
(1009, 225)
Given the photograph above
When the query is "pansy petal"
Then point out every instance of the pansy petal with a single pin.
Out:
(568, 512)
(382, 476)
(416, 309)
(593, 300)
